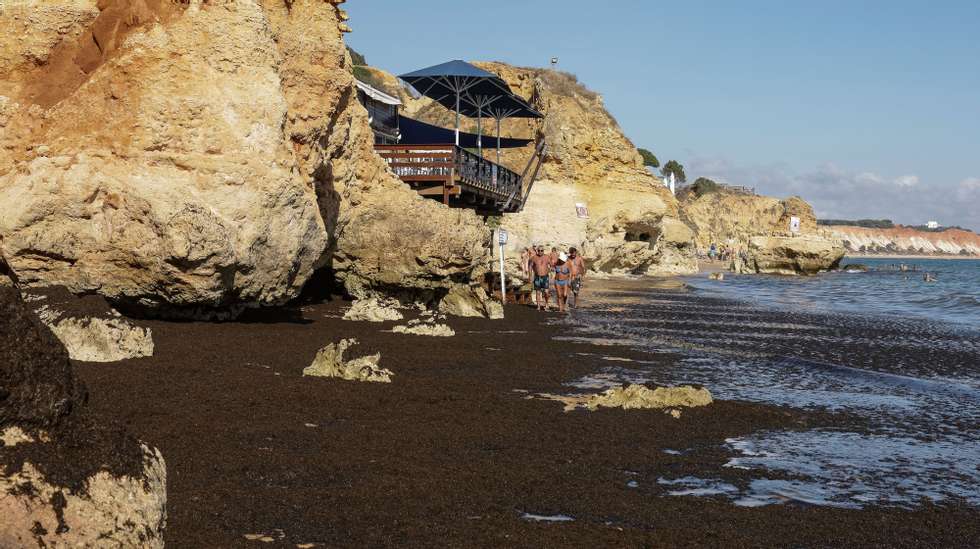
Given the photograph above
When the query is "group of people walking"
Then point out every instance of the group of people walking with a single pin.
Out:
(558, 271)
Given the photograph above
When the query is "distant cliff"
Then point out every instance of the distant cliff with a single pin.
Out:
(907, 241)
(760, 227)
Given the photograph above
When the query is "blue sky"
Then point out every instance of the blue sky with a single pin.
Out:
(864, 108)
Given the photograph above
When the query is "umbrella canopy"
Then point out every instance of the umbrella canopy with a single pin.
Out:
(510, 106)
(448, 83)
(419, 133)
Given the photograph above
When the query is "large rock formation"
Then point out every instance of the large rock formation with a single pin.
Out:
(66, 479)
(632, 225)
(186, 157)
(759, 226)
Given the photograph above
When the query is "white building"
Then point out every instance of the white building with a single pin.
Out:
(932, 224)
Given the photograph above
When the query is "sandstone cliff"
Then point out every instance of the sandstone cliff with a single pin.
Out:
(198, 156)
(759, 226)
(907, 241)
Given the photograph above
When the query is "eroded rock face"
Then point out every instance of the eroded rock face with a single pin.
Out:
(329, 362)
(156, 170)
(191, 158)
(66, 479)
(760, 227)
(470, 301)
(632, 224)
(109, 511)
(792, 255)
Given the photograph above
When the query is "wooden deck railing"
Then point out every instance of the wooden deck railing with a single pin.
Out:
(459, 169)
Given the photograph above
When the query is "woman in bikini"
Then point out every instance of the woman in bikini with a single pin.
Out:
(563, 277)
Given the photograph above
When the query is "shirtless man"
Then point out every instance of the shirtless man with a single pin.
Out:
(540, 265)
(577, 266)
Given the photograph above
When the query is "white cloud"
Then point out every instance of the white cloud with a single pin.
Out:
(838, 193)
(907, 181)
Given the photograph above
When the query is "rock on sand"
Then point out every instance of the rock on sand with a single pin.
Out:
(373, 310)
(99, 339)
(637, 396)
(416, 327)
(329, 362)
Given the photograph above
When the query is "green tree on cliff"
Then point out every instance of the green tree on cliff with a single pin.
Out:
(674, 167)
(649, 159)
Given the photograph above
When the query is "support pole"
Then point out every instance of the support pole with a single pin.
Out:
(479, 133)
(503, 286)
(457, 116)
(498, 140)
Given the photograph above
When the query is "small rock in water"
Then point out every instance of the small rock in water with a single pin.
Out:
(329, 362)
(717, 276)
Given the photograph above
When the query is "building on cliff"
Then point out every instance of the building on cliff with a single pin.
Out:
(382, 113)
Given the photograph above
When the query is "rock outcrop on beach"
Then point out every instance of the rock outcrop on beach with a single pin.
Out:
(636, 397)
(193, 158)
(424, 328)
(632, 224)
(373, 310)
(907, 241)
(66, 478)
(329, 362)
(760, 227)
(790, 255)
(88, 327)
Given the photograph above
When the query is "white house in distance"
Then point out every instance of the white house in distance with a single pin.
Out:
(932, 224)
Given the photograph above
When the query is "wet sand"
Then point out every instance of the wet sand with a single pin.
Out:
(451, 453)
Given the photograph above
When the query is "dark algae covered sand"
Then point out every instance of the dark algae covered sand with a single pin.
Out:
(39, 392)
(457, 450)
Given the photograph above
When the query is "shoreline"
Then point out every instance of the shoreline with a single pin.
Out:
(452, 452)
(909, 256)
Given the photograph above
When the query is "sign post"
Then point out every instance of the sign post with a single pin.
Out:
(501, 240)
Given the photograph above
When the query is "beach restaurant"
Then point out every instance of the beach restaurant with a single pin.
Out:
(448, 164)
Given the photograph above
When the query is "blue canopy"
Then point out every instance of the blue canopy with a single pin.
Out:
(420, 133)
(470, 91)
(444, 81)
(448, 82)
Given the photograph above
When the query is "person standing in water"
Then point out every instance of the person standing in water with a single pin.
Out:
(577, 267)
(563, 277)
(540, 265)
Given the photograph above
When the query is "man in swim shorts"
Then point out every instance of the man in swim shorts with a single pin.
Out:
(540, 266)
(577, 266)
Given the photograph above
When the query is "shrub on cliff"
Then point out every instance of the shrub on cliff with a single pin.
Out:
(703, 186)
(867, 223)
(649, 159)
(356, 57)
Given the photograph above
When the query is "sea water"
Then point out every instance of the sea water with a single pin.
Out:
(898, 355)
(885, 289)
